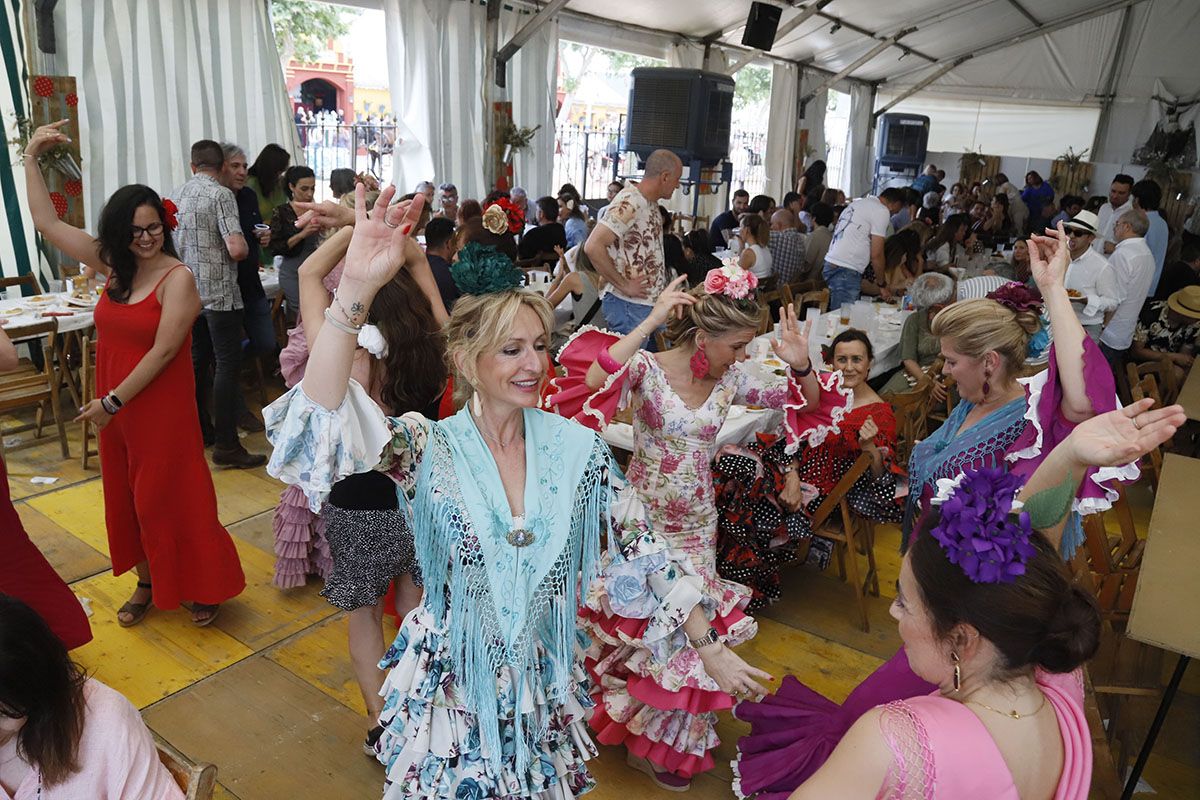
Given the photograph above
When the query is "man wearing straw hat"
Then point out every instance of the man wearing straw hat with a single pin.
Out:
(1170, 329)
(1089, 280)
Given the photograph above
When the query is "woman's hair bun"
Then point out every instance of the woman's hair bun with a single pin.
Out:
(1029, 321)
(1073, 635)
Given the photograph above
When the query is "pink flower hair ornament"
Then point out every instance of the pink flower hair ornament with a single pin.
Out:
(731, 281)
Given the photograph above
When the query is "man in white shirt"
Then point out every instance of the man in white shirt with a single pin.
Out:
(1118, 203)
(1089, 275)
(1132, 267)
(1016, 206)
(626, 247)
(1147, 195)
(858, 243)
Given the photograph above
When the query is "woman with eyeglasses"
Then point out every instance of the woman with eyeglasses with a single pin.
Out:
(159, 503)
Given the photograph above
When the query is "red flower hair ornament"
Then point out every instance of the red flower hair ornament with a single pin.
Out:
(170, 210)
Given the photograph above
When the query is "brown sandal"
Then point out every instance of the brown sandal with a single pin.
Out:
(137, 611)
(214, 608)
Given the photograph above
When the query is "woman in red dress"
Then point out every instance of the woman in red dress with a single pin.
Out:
(159, 503)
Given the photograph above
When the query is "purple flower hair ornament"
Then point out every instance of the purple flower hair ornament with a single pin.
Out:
(1018, 297)
(982, 528)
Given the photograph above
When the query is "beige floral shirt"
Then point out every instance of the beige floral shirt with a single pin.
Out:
(639, 247)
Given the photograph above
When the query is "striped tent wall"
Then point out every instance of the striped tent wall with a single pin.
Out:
(153, 76)
(19, 251)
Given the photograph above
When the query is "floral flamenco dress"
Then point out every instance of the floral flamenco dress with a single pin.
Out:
(757, 536)
(664, 709)
(485, 695)
(793, 731)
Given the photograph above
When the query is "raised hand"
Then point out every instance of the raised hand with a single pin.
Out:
(1123, 435)
(868, 432)
(327, 214)
(792, 343)
(1049, 257)
(381, 243)
(671, 302)
(45, 137)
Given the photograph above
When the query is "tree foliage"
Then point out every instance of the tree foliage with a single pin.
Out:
(752, 86)
(304, 27)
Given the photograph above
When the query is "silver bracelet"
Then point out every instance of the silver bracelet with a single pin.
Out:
(349, 317)
(341, 326)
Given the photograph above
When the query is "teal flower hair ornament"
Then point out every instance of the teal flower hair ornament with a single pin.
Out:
(482, 269)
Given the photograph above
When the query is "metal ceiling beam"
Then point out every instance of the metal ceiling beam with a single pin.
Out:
(1035, 33)
(924, 82)
(858, 62)
(1110, 83)
(526, 32)
(872, 34)
(1025, 13)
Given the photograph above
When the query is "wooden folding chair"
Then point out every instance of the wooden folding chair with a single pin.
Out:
(940, 412)
(1140, 389)
(1162, 372)
(850, 532)
(197, 780)
(279, 319)
(816, 297)
(28, 280)
(87, 380)
(769, 301)
(911, 410)
(28, 387)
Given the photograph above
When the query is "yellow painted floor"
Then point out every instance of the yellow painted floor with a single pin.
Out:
(267, 695)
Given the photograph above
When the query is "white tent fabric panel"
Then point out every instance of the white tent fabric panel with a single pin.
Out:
(18, 238)
(1036, 131)
(781, 126)
(531, 84)
(156, 75)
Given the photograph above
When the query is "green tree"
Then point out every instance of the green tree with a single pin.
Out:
(304, 27)
(752, 86)
(620, 63)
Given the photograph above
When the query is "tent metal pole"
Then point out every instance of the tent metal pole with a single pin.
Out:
(527, 32)
(850, 26)
(1025, 12)
(1110, 83)
(919, 86)
(1045, 30)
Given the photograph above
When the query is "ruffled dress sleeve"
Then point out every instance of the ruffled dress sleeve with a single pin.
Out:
(803, 423)
(315, 448)
(571, 397)
(1047, 427)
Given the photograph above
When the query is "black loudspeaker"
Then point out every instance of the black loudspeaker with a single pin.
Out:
(686, 111)
(761, 26)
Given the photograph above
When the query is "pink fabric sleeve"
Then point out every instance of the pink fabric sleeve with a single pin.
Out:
(571, 396)
(911, 775)
(293, 358)
(1048, 427)
(117, 756)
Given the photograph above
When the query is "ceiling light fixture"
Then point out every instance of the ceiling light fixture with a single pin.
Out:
(835, 27)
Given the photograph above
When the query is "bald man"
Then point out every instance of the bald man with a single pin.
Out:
(786, 246)
(626, 246)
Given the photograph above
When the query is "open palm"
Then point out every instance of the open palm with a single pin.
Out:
(792, 343)
(380, 245)
(1124, 435)
(1049, 257)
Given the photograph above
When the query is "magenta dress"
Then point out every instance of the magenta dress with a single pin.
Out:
(793, 731)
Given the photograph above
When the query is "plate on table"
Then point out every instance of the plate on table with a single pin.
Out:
(41, 300)
(15, 311)
(83, 302)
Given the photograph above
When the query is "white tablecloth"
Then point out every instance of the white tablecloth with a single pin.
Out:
(883, 331)
(270, 281)
(21, 312)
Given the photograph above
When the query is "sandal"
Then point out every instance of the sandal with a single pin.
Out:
(196, 608)
(137, 611)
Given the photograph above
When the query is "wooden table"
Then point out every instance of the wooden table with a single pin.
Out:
(1189, 395)
(1168, 593)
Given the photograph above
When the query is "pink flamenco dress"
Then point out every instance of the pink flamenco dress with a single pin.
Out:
(793, 731)
(942, 751)
(663, 709)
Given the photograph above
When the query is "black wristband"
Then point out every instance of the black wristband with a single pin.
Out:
(803, 374)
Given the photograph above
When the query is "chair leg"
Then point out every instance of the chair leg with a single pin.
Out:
(852, 568)
(262, 383)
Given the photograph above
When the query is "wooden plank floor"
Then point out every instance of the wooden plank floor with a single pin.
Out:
(267, 694)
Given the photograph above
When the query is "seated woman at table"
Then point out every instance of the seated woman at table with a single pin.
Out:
(766, 494)
(919, 348)
(65, 736)
(160, 509)
(756, 256)
(999, 422)
(991, 619)
(952, 241)
(680, 399)
(999, 226)
(903, 261)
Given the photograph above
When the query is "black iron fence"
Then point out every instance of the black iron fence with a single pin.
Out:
(591, 158)
(360, 146)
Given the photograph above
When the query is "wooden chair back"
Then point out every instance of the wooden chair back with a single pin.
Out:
(769, 302)
(1139, 389)
(29, 387)
(1162, 371)
(850, 533)
(28, 280)
(912, 420)
(196, 780)
(815, 297)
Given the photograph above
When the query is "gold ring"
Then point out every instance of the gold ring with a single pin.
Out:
(390, 225)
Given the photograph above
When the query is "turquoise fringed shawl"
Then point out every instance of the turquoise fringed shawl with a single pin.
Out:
(502, 602)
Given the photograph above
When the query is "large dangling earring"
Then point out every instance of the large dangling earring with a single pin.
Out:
(987, 383)
(957, 671)
(699, 363)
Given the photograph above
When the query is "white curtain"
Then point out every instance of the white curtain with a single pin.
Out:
(533, 85)
(435, 68)
(781, 131)
(18, 241)
(153, 76)
(859, 150)
(814, 116)
(686, 54)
